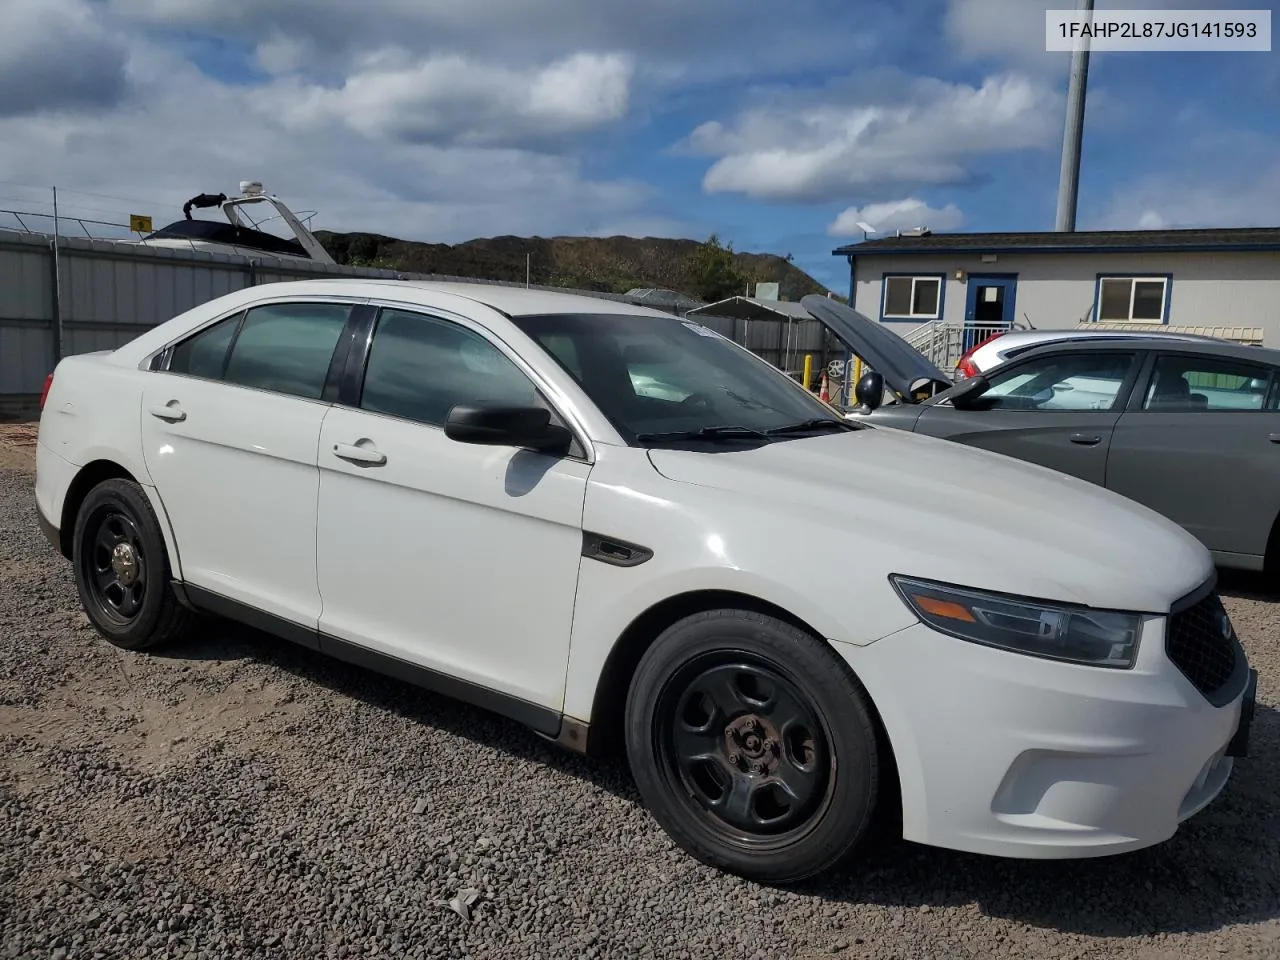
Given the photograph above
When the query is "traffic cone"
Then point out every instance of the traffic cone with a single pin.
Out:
(823, 393)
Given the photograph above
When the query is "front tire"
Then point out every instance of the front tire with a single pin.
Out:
(753, 745)
(122, 570)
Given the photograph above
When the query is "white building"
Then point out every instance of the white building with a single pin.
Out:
(1222, 279)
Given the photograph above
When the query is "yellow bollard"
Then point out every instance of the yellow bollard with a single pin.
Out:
(808, 370)
(857, 375)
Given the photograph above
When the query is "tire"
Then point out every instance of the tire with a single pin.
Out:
(126, 591)
(726, 708)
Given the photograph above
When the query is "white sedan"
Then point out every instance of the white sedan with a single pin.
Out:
(463, 486)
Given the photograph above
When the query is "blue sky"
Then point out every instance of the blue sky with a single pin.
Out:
(776, 126)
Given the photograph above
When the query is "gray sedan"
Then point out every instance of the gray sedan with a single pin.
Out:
(1191, 430)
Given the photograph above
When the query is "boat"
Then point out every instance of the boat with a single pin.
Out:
(241, 235)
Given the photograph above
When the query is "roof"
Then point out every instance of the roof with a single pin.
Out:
(1236, 239)
(662, 299)
(749, 308)
(513, 301)
(1164, 344)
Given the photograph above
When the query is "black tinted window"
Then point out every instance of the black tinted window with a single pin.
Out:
(420, 368)
(1189, 384)
(204, 354)
(287, 347)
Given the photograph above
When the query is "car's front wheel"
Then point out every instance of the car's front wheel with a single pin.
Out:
(122, 569)
(753, 745)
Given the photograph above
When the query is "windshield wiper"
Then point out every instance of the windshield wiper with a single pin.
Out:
(817, 423)
(714, 434)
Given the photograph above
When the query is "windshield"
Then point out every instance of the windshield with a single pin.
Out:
(660, 379)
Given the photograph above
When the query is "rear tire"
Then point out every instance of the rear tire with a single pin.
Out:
(753, 745)
(122, 570)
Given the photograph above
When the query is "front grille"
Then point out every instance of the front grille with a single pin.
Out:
(1202, 644)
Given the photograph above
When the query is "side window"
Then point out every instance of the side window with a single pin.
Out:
(205, 354)
(1207, 384)
(287, 347)
(420, 367)
(1073, 382)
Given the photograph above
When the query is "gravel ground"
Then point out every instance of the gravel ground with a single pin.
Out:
(239, 797)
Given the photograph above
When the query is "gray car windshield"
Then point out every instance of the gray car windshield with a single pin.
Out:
(668, 381)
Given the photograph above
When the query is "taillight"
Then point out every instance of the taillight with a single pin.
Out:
(966, 367)
(44, 394)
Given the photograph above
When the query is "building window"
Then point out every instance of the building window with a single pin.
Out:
(912, 298)
(1133, 299)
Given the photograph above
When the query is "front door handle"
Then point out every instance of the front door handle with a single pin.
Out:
(171, 411)
(1086, 439)
(364, 456)
(1274, 438)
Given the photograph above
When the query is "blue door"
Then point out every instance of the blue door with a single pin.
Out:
(989, 306)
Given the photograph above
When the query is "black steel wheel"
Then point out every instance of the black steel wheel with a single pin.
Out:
(121, 568)
(753, 745)
(742, 740)
(115, 564)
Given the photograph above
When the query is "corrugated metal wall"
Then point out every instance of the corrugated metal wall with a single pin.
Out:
(109, 293)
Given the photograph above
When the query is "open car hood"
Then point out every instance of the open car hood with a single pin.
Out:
(884, 351)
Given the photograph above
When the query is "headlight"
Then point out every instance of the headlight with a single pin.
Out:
(1055, 631)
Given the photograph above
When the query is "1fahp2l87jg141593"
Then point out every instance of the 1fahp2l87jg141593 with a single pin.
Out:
(619, 527)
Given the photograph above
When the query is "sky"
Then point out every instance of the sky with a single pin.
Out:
(777, 126)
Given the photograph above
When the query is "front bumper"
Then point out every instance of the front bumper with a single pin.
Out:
(1004, 754)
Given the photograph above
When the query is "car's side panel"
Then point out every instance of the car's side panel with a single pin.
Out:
(91, 414)
(706, 540)
(1214, 472)
(457, 557)
(238, 480)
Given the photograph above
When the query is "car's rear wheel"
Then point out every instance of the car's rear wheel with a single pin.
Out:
(122, 569)
(753, 745)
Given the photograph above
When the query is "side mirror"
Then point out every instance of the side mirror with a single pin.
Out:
(964, 394)
(869, 391)
(507, 426)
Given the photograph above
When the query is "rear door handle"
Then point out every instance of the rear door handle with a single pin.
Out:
(170, 411)
(367, 456)
(1274, 438)
(1086, 439)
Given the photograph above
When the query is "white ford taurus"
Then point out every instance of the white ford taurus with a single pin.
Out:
(616, 526)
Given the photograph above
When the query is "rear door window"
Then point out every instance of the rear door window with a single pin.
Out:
(1208, 384)
(287, 347)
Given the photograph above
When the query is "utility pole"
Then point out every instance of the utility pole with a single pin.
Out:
(1073, 133)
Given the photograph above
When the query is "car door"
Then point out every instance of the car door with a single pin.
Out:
(456, 557)
(1058, 410)
(230, 425)
(1200, 443)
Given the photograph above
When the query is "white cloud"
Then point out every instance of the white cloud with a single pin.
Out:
(1013, 31)
(1235, 198)
(454, 99)
(896, 215)
(670, 39)
(929, 133)
(57, 55)
(185, 133)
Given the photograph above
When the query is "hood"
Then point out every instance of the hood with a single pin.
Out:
(884, 351)
(938, 510)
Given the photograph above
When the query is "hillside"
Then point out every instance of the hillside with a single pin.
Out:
(706, 271)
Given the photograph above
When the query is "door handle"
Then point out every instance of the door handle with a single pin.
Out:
(1086, 439)
(361, 456)
(1274, 438)
(170, 411)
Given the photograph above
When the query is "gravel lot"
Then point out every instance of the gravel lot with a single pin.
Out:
(239, 797)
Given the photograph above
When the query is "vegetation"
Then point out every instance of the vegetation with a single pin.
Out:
(707, 271)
